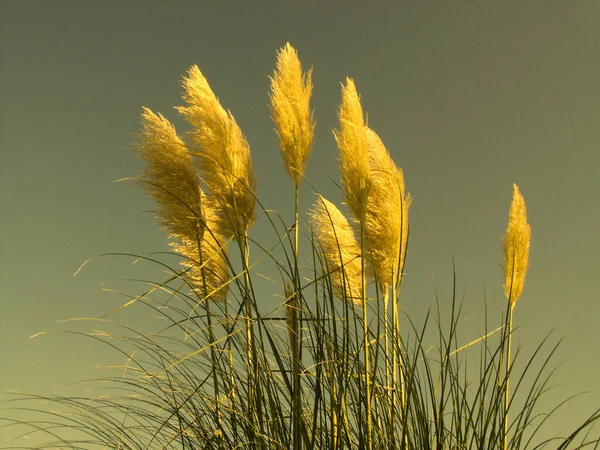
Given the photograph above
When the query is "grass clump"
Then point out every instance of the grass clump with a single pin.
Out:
(329, 367)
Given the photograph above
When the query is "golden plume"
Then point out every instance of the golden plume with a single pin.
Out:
(340, 249)
(354, 156)
(170, 179)
(208, 267)
(223, 156)
(291, 90)
(386, 222)
(516, 247)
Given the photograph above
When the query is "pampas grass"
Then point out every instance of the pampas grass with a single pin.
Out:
(291, 90)
(340, 250)
(516, 260)
(222, 155)
(329, 368)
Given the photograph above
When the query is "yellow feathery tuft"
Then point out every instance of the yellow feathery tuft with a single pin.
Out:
(516, 247)
(340, 249)
(170, 179)
(291, 90)
(223, 155)
(386, 222)
(212, 264)
(354, 156)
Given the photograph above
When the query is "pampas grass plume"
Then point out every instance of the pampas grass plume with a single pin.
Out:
(354, 156)
(170, 179)
(291, 90)
(207, 260)
(387, 214)
(223, 155)
(340, 249)
(516, 247)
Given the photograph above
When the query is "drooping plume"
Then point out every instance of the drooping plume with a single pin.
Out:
(223, 156)
(340, 249)
(170, 178)
(208, 268)
(516, 247)
(291, 90)
(386, 222)
(354, 156)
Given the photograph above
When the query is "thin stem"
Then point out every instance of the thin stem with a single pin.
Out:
(508, 368)
(251, 366)
(388, 356)
(397, 362)
(297, 344)
(366, 340)
(211, 337)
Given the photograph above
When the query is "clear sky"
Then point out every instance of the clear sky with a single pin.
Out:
(468, 96)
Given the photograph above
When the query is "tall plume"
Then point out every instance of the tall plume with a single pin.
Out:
(291, 90)
(223, 156)
(354, 156)
(207, 260)
(340, 249)
(516, 247)
(171, 181)
(387, 214)
(170, 178)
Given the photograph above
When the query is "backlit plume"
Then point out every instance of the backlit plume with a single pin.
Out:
(354, 156)
(387, 215)
(223, 156)
(340, 250)
(516, 247)
(291, 90)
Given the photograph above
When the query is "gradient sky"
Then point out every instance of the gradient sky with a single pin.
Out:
(468, 96)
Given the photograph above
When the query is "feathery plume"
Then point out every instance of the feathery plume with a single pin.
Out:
(223, 155)
(354, 156)
(516, 247)
(207, 258)
(386, 222)
(340, 249)
(291, 90)
(170, 179)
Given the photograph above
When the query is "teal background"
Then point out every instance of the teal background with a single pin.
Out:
(468, 96)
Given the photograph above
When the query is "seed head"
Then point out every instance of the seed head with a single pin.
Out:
(222, 155)
(386, 222)
(207, 260)
(516, 247)
(291, 90)
(340, 250)
(354, 156)
(170, 178)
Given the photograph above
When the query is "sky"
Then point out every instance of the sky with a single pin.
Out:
(469, 97)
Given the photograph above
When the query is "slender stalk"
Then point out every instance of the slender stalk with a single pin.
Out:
(251, 366)
(211, 338)
(508, 368)
(388, 364)
(395, 348)
(297, 350)
(366, 342)
(231, 369)
(398, 372)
